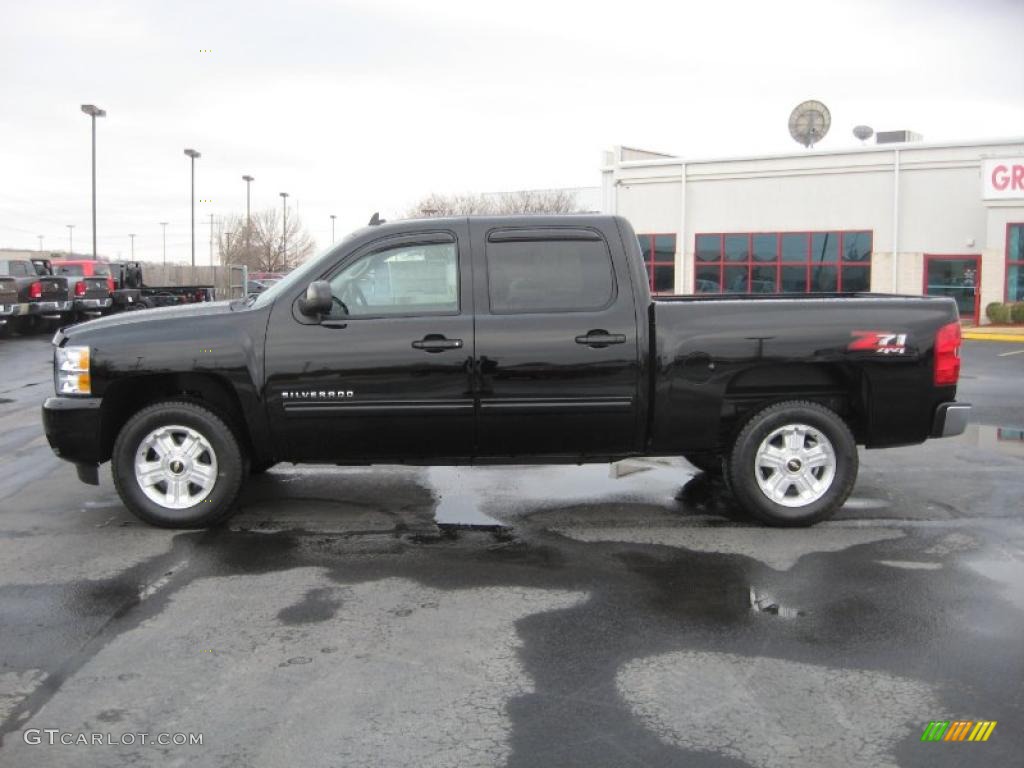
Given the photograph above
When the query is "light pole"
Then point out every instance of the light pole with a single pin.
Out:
(163, 224)
(248, 213)
(93, 112)
(40, 242)
(333, 217)
(71, 247)
(226, 246)
(193, 154)
(211, 239)
(284, 228)
(132, 236)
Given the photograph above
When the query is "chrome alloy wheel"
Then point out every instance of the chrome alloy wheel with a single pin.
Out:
(795, 465)
(175, 467)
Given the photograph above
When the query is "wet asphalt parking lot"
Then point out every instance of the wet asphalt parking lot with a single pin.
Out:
(618, 615)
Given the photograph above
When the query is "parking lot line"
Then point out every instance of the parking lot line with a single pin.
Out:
(1012, 352)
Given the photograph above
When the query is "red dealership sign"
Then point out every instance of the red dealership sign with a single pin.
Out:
(1002, 179)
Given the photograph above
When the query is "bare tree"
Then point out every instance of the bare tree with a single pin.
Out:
(539, 201)
(262, 247)
(525, 201)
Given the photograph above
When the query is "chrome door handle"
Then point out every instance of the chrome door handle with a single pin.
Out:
(435, 342)
(600, 338)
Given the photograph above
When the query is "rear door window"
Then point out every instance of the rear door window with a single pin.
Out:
(565, 272)
(15, 268)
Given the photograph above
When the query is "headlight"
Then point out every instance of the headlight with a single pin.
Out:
(72, 364)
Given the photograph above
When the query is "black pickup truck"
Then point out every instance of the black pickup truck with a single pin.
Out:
(500, 340)
(90, 292)
(42, 297)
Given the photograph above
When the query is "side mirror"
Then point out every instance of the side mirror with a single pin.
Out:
(318, 299)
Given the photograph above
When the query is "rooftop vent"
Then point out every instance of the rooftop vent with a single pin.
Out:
(896, 137)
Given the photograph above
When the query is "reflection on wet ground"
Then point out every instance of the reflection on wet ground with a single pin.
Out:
(1005, 440)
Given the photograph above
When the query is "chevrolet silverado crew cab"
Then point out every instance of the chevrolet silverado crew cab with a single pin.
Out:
(500, 340)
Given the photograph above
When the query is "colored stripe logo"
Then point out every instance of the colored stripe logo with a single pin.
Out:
(958, 730)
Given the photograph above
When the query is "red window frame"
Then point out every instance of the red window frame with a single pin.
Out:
(1012, 262)
(778, 263)
(651, 263)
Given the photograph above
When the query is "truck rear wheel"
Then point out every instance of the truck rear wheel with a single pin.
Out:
(177, 464)
(793, 464)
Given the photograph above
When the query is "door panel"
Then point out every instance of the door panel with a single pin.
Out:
(958, 277)
(389, 377)
(556, 344)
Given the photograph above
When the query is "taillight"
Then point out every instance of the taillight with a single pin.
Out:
(80, 288)
(35, 291)
(947, 355)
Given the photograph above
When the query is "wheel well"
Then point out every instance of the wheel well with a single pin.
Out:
(840, 388)
(126, 397)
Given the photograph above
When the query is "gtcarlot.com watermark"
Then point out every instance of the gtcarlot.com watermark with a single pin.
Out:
(55, 736)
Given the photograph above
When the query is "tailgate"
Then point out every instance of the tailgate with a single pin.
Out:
(54, 288)
(8, 294)
(95, 288)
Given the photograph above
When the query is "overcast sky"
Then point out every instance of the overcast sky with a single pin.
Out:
(367, 105)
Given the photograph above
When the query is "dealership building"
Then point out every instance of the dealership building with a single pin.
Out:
(904, 217)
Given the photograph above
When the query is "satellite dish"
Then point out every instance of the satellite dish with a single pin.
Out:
(863, 132)
(809, 122)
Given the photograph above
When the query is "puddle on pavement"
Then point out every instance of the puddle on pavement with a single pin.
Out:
(1008, 441)
(862, 503)
(762, 603)
(463, 511)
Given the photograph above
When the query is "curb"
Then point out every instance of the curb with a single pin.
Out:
(975, 336)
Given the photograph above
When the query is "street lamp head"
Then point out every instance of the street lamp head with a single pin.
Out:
(284, 194)
(93, 111)
(192, 153)
(163, 223)
(333, 216)
(247, 177)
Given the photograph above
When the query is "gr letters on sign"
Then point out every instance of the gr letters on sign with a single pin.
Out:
(1002, 179)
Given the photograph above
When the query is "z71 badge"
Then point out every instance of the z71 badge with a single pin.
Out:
(880, 342)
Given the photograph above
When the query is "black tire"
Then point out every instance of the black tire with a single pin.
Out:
(232, 465)
(742, 469)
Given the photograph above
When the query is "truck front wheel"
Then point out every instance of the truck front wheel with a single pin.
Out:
(793, 464)
(177, 464)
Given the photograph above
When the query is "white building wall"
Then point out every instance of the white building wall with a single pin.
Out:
(941, 210)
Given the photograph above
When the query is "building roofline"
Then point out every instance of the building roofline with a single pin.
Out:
(874, 148)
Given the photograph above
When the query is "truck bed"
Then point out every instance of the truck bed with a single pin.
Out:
(716, 354)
